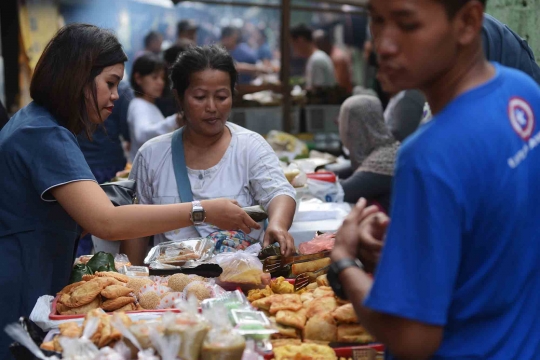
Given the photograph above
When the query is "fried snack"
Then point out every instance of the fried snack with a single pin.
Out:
(281, 286)
(304, 352)
(321, 305)
(109, 334)
(265, 303)
(321, 327)
(115, 291)
(115, 304)
(323, 291)
(306, 297)
(296, 319)
(322, 280)
(128, 307)
(282, 342)
(70, 329)
(199, 290)
(125, 319)
(120, 277)
(56, 344)
(178, 282)
(353, 333)
(70, 287)
(83, 294)
(136, 284)
(286, 302)
(257, 294)
(311, 286)
(314, 265)
(286, 332)
(345, 314)
(150, 300)
(48, 346)
(81, 310)
(88, 277)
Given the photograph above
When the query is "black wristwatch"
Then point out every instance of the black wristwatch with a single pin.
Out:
(333, 274)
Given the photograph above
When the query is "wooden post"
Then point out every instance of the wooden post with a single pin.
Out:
(286, 63)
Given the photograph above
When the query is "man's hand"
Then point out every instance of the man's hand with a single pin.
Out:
(347, 237)
(276, 233)
(371, 234)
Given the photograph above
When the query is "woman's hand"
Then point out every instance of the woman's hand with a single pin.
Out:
(227, 214)
(276, 233)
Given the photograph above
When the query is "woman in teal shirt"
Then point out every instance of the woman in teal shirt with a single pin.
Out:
(48, 194)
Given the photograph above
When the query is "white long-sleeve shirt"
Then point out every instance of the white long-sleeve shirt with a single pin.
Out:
(146, 122)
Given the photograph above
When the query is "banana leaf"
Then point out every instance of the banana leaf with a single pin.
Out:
(78, 272)
(101, 261)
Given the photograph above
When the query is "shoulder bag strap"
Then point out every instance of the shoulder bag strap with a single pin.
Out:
(180, 168)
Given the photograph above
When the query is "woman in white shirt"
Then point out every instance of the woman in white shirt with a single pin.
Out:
(223, 159)
(145, 120)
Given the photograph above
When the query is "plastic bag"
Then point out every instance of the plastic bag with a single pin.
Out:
(221, 343)
(183, 253)
(286, 145)
(318, 244)
(241, 267)
(326, 191)
(20, 335)
(83, 348)
(189, 325)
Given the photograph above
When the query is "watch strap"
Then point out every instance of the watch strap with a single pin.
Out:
(335, 269)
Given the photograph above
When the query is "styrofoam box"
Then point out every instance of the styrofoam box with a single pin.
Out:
(264, 119)
(322, 118)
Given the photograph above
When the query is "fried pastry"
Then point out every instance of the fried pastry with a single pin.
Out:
(314, 265)
(281, 286)
(115, 291)
(88, 277)
(312, 286)
(48, 346)
(345, 314)
(257, 294)
(286, 302)
(282, 342)
(137, 283)
(265, 303)
(120, 277)
(115, 304)
(304, 352)
(321, 305)
(296, 319)
(81, 310)
(67, 289)
(321, 327)
(353, 333)
(323, 280)
(323, 291)
(307, 296)
(83, 294)
(70, 329)
(128, 307)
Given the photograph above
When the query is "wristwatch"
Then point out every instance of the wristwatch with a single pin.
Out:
(198, 215)
(333, 274)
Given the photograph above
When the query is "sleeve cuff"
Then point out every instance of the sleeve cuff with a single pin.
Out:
(46, 196)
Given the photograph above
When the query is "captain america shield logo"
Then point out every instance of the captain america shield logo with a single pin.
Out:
(521, 117)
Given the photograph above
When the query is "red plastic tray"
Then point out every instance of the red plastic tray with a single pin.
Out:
(55, 316)
(354, 352)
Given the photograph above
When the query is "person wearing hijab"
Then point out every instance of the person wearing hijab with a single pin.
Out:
(372, 148)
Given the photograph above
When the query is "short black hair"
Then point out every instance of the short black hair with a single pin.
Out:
(151, 36)
(145, 65)
(171, 54)
(453, 6)
(200, 58)
(302, 31)
(68, 65)
(228, 31)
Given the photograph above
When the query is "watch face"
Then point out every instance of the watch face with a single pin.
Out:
(198, 216)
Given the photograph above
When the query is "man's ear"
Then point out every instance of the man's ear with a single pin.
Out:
(468, 21)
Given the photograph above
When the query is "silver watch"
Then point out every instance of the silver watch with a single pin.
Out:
(198, 215)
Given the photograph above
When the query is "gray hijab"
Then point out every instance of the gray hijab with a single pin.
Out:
(363, 131)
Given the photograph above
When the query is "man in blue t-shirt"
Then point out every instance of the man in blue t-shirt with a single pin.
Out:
(243, 55)
(458, 277)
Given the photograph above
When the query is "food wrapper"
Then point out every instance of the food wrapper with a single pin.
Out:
(167, 346)
(203, 290)
(240, 268)
(319, 243)
(135, 271)
(180, 254)
(160, 289)
(83, 348)
(230, 300)
(168, 300)
(119, 260)
(222, 342)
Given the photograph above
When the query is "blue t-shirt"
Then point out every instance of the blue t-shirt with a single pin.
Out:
(244, 54)
(105, 150)
(463, 247)
(37, 236)
(264, 52)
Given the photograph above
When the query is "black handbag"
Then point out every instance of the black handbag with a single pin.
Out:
(123, 192)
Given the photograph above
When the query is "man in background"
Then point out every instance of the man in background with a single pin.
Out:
(340, 58)
(320, 70)
(187, 33)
